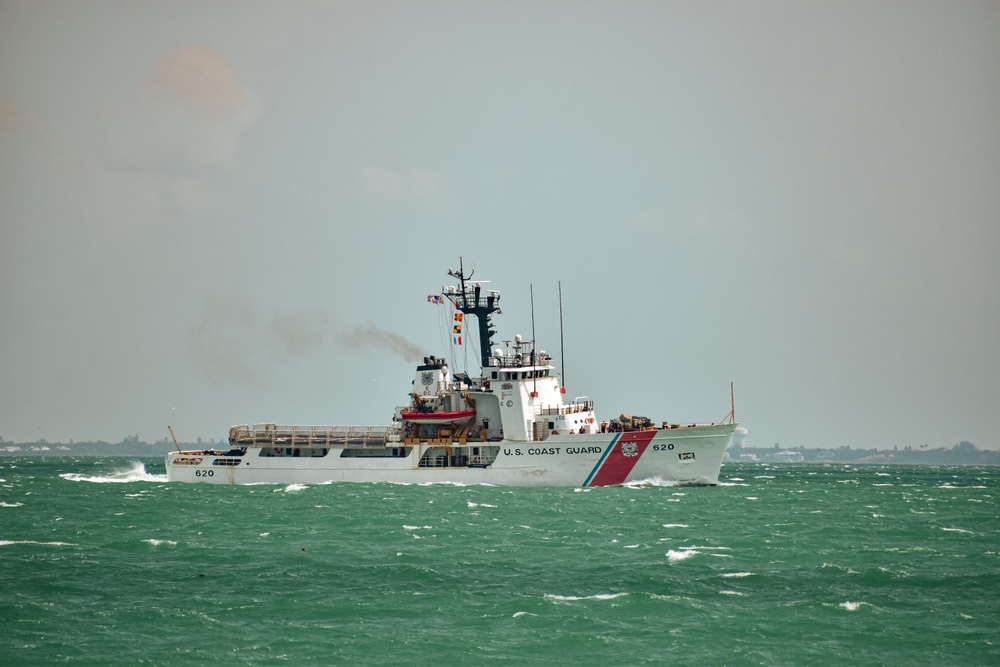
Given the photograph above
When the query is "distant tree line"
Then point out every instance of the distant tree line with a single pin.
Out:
(129, 446)
(962, 453)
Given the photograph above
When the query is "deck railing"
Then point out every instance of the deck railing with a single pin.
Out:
(579, 405)
(307, 436)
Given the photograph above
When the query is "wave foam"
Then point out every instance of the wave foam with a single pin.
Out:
(651, 481)
(676, 556)
(4, 543)
(577, 598)
(137, 473)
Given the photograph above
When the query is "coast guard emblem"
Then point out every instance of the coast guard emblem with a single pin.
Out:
(630, 449)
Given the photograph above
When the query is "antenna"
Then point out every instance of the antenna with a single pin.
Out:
(562, 350)
(534, 375)
(531, 292)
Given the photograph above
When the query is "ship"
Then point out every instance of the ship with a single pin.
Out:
(512, 426)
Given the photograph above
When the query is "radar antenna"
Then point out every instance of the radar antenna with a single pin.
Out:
(470, 301)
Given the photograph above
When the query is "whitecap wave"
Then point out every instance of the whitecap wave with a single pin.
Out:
(4, 504)
(292, 488)
(675, 525)
(677, 556)
(137, 473)
(651, 481)
(155, 542)
(4, 543)
(444, 483)
(958, 530)
(577, 598)
(737, 574)
(703, 548)
(850, 606)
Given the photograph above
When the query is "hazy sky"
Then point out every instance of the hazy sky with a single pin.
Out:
(215, 213)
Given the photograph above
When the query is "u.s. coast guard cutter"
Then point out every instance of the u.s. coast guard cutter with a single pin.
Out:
(510, 426)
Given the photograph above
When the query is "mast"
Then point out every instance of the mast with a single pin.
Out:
(470, 301)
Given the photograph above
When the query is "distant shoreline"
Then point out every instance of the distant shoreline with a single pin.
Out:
(963, 453)
(128, 447)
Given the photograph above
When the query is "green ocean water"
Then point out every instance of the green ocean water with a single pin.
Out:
(103, 562)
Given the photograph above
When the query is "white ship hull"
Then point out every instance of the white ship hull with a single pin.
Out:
(512, 425)
(688, 455)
